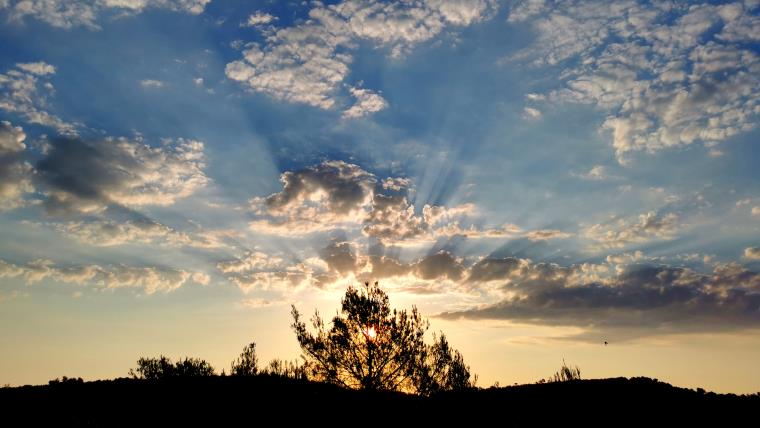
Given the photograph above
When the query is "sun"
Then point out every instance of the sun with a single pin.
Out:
(370, 332)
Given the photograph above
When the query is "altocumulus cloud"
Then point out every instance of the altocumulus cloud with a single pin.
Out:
(73, 13)
(25, 91)
(668, 75)
(149, 279)
(625, 231)
(141, 231)
(307, 63)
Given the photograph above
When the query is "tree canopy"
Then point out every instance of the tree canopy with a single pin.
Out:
(371, 347)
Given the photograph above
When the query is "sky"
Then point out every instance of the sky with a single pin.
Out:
(537, 177)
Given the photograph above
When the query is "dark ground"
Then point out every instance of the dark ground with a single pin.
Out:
(273, 401)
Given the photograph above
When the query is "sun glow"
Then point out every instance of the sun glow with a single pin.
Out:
(370, 332)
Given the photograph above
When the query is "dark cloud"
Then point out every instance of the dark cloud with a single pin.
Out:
(342, 187)
(438, 266)
(81, 176)
(340, 257)
(641, 299)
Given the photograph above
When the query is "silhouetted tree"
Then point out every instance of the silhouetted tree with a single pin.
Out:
(162, 367)
(247, 363)
(444, 369)
(373, 348)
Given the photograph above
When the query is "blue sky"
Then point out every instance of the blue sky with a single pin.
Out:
(553, 172)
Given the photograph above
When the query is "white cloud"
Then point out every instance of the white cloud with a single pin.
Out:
(258, 18)
(597, 172)
(15, 173)
(73, 13)
(547, 234)
(307, 63)
(151, 83)
(626, 231)
(23, 93)
(367, 102)
(524, 9)
(107, 233)
(38, 68)
(261, 271)
(626, 258)
(149, 279)
(531, 113)
(630, 60)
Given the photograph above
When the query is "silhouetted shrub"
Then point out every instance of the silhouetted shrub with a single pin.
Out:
(66, 381)
(288, 369)
(247, 363)
(162, 368)
(566, 373)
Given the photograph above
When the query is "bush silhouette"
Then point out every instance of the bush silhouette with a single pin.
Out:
(566, 373)
(162, 368)
(288, 369)
(370, 347)
(247, 363)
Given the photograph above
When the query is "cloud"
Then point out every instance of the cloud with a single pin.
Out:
(150, 83)
(316, 198)
(626, 231)
(37, 68)
(637, 301)
(265, 272)
(341, 262)
(149, 279)
(336, 194)
(525, 9)
(258, 18)
(546, 234)
(664, 78)
(107, 233)
(626, 258)
(15, 173)
(74, 13)
(24, 94)
(307, 62)
(88, 176)
(597, 172)
(531, 113)
(367, 102)
(752, 253)
(263, 303)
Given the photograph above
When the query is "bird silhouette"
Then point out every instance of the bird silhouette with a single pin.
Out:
(605, 343)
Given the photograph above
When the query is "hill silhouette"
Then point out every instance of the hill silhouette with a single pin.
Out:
(269, 400)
